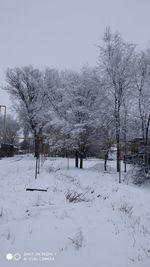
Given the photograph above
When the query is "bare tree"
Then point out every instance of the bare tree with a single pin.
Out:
(115, 62)
(26, 86)
(12, 128)
(142, 83)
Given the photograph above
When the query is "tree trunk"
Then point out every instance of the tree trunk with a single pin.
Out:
(81, 161)
(117, 118)
(36, 168)
(37, 146)
(76, 159)
(105, 161)
(118, 156)
(146, 146)
(37, 155)
(125, 155)
(125, 141)
(125, 163)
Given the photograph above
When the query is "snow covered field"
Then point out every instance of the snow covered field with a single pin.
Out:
(108, 226)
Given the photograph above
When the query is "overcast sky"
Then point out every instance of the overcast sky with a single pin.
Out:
(64, 33)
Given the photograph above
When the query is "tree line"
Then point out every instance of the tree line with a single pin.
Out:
(87, 111)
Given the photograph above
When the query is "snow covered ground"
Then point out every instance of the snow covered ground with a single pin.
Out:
(108, 227)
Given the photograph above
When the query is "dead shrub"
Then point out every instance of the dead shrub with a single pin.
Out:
(77, 240)
(73, 196)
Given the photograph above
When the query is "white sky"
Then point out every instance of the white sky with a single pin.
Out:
(63, 33)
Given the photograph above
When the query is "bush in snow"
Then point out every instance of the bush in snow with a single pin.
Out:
(73, 196)
(77, 240)
(126, 208)
(141, 175)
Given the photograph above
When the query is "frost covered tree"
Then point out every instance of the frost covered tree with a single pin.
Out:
(26, 87)
(142, 85)
(115, 63)
(84, 110)
(57, 101)
(73, 100)
(10, 134)
(59, 91)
